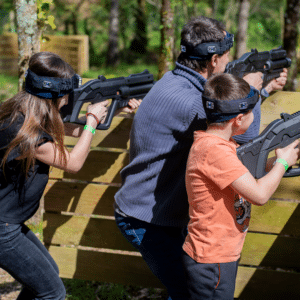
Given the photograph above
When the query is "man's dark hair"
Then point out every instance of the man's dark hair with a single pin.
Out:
(197, 31)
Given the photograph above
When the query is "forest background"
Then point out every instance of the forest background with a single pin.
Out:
(128, 36)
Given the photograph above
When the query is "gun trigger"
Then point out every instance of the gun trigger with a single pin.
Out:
(285, 116)
(101, 78)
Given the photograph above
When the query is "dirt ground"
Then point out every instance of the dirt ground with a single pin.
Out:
(9, 288)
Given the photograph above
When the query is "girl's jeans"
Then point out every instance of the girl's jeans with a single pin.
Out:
(25, 258)
(161, 248)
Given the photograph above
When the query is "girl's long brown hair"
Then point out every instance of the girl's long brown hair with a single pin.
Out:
(40, 114)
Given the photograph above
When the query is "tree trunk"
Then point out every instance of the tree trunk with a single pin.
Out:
(241, 39)
(113, 45)
(230, 14)
(290, 40)
(214, 4)
(167, 38)
(139, 43)
(67, 31)
(74, 22)
(88, 32)
(29, 34)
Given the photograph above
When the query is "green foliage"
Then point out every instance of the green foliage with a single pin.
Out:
(6, 6)
(123, 70)
(8, 86)
(92, 18)
(265, 29)
(43, 13)
(82, 290)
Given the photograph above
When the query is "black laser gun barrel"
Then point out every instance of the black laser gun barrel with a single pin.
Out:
(120, 90)
(270, 63)
(278, 134)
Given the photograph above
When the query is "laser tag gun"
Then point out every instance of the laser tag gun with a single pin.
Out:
(270, 63)
(278, 134)
(120, 90)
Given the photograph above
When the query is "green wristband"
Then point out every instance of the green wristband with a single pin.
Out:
(89, 128)
(282, 161)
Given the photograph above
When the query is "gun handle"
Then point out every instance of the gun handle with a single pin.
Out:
(110, 114)
(75, 113)
(292, 172)
(270, 76)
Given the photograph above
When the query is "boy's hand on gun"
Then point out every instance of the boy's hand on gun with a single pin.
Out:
(289, 153)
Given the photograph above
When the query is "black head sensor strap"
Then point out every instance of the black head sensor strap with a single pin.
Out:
(221, 110)
(205, 50)
(50, 87)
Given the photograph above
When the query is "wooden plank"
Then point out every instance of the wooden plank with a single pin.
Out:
(259, 249)
(73, 49)
(288, 102)
(100, 166)
(117, 136)
(271, 251)
(84, 231)
(79, 198)
(289, 188)
(276, 217)
(132, 270)
(9, 45)
(104, 267)
(260, 284)
(65, 46)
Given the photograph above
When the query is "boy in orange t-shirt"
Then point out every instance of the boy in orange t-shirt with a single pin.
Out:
(221, 189)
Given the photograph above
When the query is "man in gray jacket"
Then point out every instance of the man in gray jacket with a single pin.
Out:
(151, 207)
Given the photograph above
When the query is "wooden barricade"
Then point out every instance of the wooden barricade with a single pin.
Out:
(74, 49)
(9, 53)
(81, 234)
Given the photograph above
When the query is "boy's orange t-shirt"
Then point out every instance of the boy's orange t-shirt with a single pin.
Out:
(219, 216)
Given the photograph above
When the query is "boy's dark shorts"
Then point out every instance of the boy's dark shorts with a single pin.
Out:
(210, 281)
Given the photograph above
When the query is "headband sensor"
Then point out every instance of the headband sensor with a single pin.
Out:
(218, 111)
(50, 87)
(205, 50)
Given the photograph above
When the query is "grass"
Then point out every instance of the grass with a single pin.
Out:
(123, 70)
(8, 86)
(82, 289)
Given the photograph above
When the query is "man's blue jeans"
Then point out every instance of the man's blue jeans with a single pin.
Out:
(24, 257)
(161, 248)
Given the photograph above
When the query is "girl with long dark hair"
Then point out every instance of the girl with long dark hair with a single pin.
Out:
(31, 140)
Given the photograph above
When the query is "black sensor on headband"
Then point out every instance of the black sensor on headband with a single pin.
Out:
(205, 50)
(50, 87)
(218, 111)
